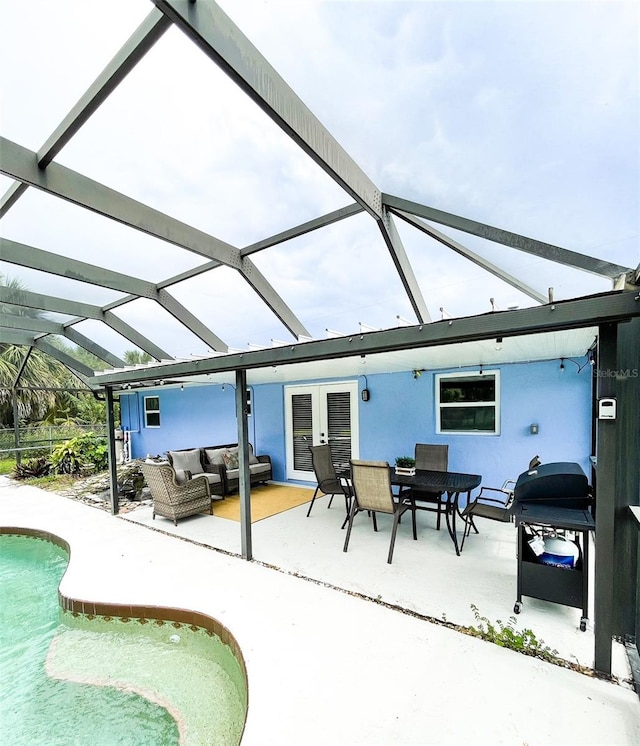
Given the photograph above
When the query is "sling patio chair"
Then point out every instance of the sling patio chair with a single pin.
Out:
(371, 482)
(495, 507)
(493, 503)
(431, 457)
(173, 500)
(328, 481)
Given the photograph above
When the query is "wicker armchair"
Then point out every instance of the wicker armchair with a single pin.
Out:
(173, 500)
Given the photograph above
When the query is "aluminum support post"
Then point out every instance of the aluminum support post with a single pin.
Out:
(243, 463)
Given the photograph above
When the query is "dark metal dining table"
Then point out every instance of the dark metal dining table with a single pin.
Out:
(449, 483)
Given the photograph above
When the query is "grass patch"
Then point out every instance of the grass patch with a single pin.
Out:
(52, 482)
(7, 465)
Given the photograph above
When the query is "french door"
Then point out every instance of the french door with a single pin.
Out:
(316, 414)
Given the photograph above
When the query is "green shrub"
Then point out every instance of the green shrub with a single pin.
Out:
(34, 467)
(78, 453)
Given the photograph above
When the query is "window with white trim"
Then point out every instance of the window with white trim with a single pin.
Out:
(152, 411)
(468, 403)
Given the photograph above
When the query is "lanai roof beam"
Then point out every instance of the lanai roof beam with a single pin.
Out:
(544, 250)
(472, 256)
(134, 49)
(224, 43)
(20, 163)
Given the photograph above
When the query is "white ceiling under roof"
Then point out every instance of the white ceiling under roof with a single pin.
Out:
(571, 344)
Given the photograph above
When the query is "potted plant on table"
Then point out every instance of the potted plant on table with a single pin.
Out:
(406, 465)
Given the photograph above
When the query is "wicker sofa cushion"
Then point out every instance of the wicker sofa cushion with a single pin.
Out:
(254, 470)
(211, 477)
(187, 461)
(214, 456)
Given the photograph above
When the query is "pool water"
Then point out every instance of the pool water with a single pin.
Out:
(76, 680)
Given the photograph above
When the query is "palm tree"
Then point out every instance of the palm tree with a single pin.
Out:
(39, 370)
(136, 357)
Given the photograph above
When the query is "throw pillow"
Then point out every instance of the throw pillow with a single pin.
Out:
(187, 460)
(230, 460)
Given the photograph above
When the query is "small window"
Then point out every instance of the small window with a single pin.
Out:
(468, 403)
(152, 411)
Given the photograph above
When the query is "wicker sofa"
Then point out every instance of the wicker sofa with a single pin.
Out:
(219, 464)
(189, 463)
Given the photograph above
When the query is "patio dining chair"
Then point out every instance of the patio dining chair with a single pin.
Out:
(328, 481)
(176, 500)
(372, 492)
(495, 506)
(431, 457)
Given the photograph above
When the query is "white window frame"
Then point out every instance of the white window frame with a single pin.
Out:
(147, 412)
(441, 405)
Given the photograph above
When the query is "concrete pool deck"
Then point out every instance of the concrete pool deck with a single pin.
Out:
(325, 666)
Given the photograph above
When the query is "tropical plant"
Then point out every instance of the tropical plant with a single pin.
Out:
(89, 410)
(78, 453)
(35, 467)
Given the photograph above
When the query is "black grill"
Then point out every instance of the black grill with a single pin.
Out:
(558, 485)
(553, 498)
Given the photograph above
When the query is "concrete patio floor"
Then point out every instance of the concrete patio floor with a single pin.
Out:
(328, 666)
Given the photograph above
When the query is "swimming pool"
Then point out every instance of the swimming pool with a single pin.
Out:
(77, 678)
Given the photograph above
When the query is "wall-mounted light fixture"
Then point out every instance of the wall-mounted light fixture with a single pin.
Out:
(562, 365)
(418, 373)
(534, 428)
(365, 394)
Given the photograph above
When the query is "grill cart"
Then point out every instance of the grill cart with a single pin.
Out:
(552, 512)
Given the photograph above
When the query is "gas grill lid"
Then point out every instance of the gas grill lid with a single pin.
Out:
(563, 484)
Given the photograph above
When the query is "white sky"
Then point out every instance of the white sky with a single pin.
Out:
(522, 115)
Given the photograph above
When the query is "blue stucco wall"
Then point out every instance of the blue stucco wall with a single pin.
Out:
(399, 413)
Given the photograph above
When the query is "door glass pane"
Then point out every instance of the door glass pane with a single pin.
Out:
(302, 417)
(339, 426)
